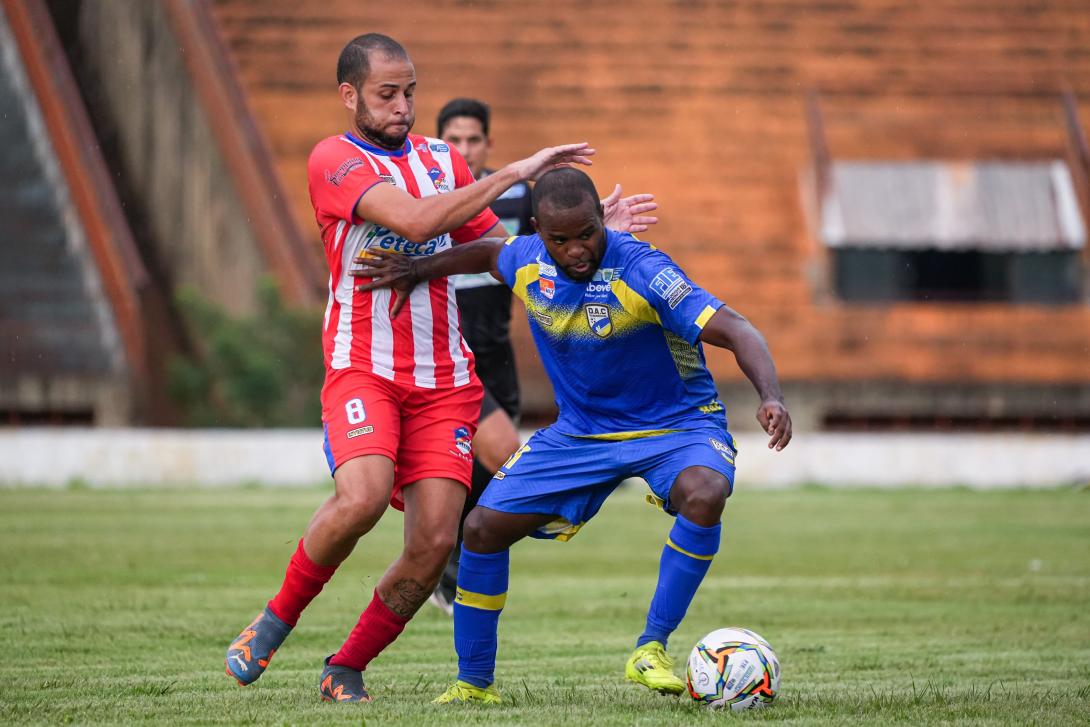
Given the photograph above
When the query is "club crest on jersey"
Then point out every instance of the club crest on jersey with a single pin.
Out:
(599, 319)
(547, 287)
(439, 179)
(463, 441)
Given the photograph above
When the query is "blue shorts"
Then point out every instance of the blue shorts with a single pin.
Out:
(570, 477)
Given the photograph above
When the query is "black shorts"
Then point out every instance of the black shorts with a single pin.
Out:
(488, 405)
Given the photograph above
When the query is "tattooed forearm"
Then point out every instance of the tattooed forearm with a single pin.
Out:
(405, 596)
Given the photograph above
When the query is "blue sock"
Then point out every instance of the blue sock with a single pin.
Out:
(482, 591)
(685, 559)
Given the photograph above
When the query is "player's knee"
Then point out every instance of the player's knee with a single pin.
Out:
(431, 548)
(359, 509)
(475, 534)
(701, 498)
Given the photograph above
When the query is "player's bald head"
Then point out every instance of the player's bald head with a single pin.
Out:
(563, 189)
(354, 63)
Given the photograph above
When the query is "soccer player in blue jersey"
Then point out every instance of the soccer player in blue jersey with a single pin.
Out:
(619, 328)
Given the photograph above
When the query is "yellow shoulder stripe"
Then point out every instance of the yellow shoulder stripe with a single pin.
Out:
(523, 277)
(634, 303)
(480, 600)
(510, 239)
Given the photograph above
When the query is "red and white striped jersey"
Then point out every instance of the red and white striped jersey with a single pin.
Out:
(423, 346)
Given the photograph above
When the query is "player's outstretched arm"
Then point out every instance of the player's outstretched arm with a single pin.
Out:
(421, 219)
(729, 329)
(404, 272)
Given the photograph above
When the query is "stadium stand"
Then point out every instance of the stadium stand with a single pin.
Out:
(734, 114)
(705, 105)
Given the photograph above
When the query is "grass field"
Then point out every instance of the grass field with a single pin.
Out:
(915, 607)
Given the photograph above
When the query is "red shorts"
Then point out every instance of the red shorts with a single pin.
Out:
(426, 432)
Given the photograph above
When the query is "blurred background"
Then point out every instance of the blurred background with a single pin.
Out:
(895, 193)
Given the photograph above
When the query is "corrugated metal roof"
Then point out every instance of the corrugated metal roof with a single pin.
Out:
(993, 206)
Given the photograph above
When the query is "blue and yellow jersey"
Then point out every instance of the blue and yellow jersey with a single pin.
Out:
(622, 350)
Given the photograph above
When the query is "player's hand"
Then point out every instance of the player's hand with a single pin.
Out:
(387, 270)
(775, 419)
(628, 214)
(533, 167)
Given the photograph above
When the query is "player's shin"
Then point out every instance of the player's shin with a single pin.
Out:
(376, 629)
(685, 560)
(303, 581)
(482, 592)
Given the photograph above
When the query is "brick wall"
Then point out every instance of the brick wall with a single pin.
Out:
(702, 103)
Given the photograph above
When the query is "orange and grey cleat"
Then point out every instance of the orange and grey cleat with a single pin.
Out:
(342, 684)
(249, 654)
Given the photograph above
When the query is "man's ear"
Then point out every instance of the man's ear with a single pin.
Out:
(349, 96)
(533, 223)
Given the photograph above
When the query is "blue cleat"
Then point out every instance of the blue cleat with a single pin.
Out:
(250, 653)
(342, 684)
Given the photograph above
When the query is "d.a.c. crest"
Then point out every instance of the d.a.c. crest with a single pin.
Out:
(599, 319)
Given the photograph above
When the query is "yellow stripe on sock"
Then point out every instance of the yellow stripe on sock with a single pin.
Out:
(674, 545)
(480, 600)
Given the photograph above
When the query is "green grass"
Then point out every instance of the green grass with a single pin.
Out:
(914, 607)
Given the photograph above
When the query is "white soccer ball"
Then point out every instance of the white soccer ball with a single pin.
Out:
(733, 667)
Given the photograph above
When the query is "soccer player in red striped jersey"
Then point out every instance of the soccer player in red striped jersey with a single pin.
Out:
(400, 400)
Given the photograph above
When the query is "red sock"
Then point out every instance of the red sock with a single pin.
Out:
(377, 628)
(302, 582)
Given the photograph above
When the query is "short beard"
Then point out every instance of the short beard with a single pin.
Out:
(364, 123)
(585, 276)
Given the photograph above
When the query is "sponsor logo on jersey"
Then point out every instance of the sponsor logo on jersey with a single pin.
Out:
(671, 287)
(599, 319)
(544, 268)
(388, 178)
(499, 475)
(386, 239)
(727, 453)
(679, 295)
(607, 275)
(439, 147)
(712, 407)
(543, 318)
(361, 431)
(547, 287)
(599, 287)
(335, 178)
(439, 179)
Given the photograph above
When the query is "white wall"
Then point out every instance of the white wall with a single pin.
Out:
(56, 457)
